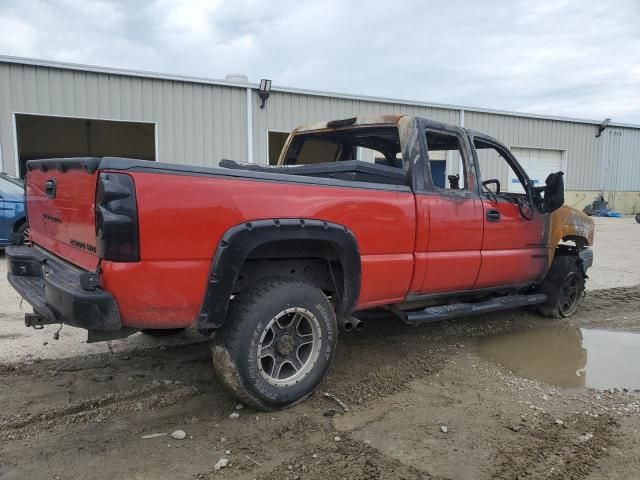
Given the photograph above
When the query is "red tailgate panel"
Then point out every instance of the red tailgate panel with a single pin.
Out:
(64, 224)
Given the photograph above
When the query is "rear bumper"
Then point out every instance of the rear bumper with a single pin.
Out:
(59, 293)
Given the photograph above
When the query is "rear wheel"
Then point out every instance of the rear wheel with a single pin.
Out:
(21, 232)
(638, 218)
(277, 344)
(564, 287)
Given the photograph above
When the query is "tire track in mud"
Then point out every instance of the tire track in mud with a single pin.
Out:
(345, 459)
(305, 448)
(622, 298)
(390, 371)
(16, 369)
(98, 409)
(556, 453)
(614, 308)
(104, 386)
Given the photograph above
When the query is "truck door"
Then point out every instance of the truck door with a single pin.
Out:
(513, 247)
(449, 213)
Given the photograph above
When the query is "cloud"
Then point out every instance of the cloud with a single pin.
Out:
(571, 58)
(17, 35)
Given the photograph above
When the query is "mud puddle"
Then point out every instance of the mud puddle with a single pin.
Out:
(569, 356)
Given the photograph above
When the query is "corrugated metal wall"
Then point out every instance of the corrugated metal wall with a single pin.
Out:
(621, 160)
(583, 149)
(197, 123)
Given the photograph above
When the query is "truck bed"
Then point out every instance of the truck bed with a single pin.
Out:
(183, 212)
(350, 170)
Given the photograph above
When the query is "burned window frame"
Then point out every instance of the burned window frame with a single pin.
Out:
(343, 152)
(508, 157)
(426, 184)
(464, 161)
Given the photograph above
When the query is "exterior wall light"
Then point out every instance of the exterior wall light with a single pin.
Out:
(264, 91)
(601, 127)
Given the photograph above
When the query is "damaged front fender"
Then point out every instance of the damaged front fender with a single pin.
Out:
(569, 225)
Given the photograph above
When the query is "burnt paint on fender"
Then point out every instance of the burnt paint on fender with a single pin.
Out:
(568, 223)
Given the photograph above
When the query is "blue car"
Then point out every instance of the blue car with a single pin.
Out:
(13, 220)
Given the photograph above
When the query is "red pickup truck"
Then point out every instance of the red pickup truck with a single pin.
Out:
(392, 212)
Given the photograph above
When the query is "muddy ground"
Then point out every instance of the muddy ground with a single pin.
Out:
(85, 417)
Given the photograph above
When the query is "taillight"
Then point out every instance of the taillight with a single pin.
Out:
(117, 218)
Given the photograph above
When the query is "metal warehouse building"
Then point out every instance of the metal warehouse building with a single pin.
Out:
(52, 109)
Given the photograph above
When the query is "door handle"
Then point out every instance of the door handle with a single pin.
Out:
(493, 216)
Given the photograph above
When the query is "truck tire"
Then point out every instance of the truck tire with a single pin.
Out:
(277, 343)
(21, 232)
(564, 287)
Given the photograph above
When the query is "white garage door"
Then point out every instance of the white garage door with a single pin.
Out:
(538, 163)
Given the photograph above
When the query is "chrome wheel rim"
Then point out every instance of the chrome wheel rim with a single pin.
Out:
(289, 347)
(569, 295)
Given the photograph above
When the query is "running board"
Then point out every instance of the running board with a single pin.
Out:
(455, 310)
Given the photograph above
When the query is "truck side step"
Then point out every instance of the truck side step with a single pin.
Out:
(455, 310)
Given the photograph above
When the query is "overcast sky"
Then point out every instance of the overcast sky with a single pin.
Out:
(571, 58)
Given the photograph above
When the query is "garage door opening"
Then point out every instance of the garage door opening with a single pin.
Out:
(54, 137)
(276, 143)
(538, 163)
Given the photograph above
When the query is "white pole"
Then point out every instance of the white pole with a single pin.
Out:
(460, 165)
(249, 125)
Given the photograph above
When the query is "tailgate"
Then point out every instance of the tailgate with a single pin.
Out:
(61, 208)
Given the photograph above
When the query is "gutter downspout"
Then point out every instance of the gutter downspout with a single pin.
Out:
(604, 165)
(249, 125)
(460, 165)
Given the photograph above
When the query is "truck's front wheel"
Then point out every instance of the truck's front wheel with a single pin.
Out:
(277, 343)
(564, 287)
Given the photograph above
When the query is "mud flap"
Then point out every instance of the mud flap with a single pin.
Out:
(94, 336)
(586, 260)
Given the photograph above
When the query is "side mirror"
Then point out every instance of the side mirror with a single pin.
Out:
(493, 181)
(553, 193)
